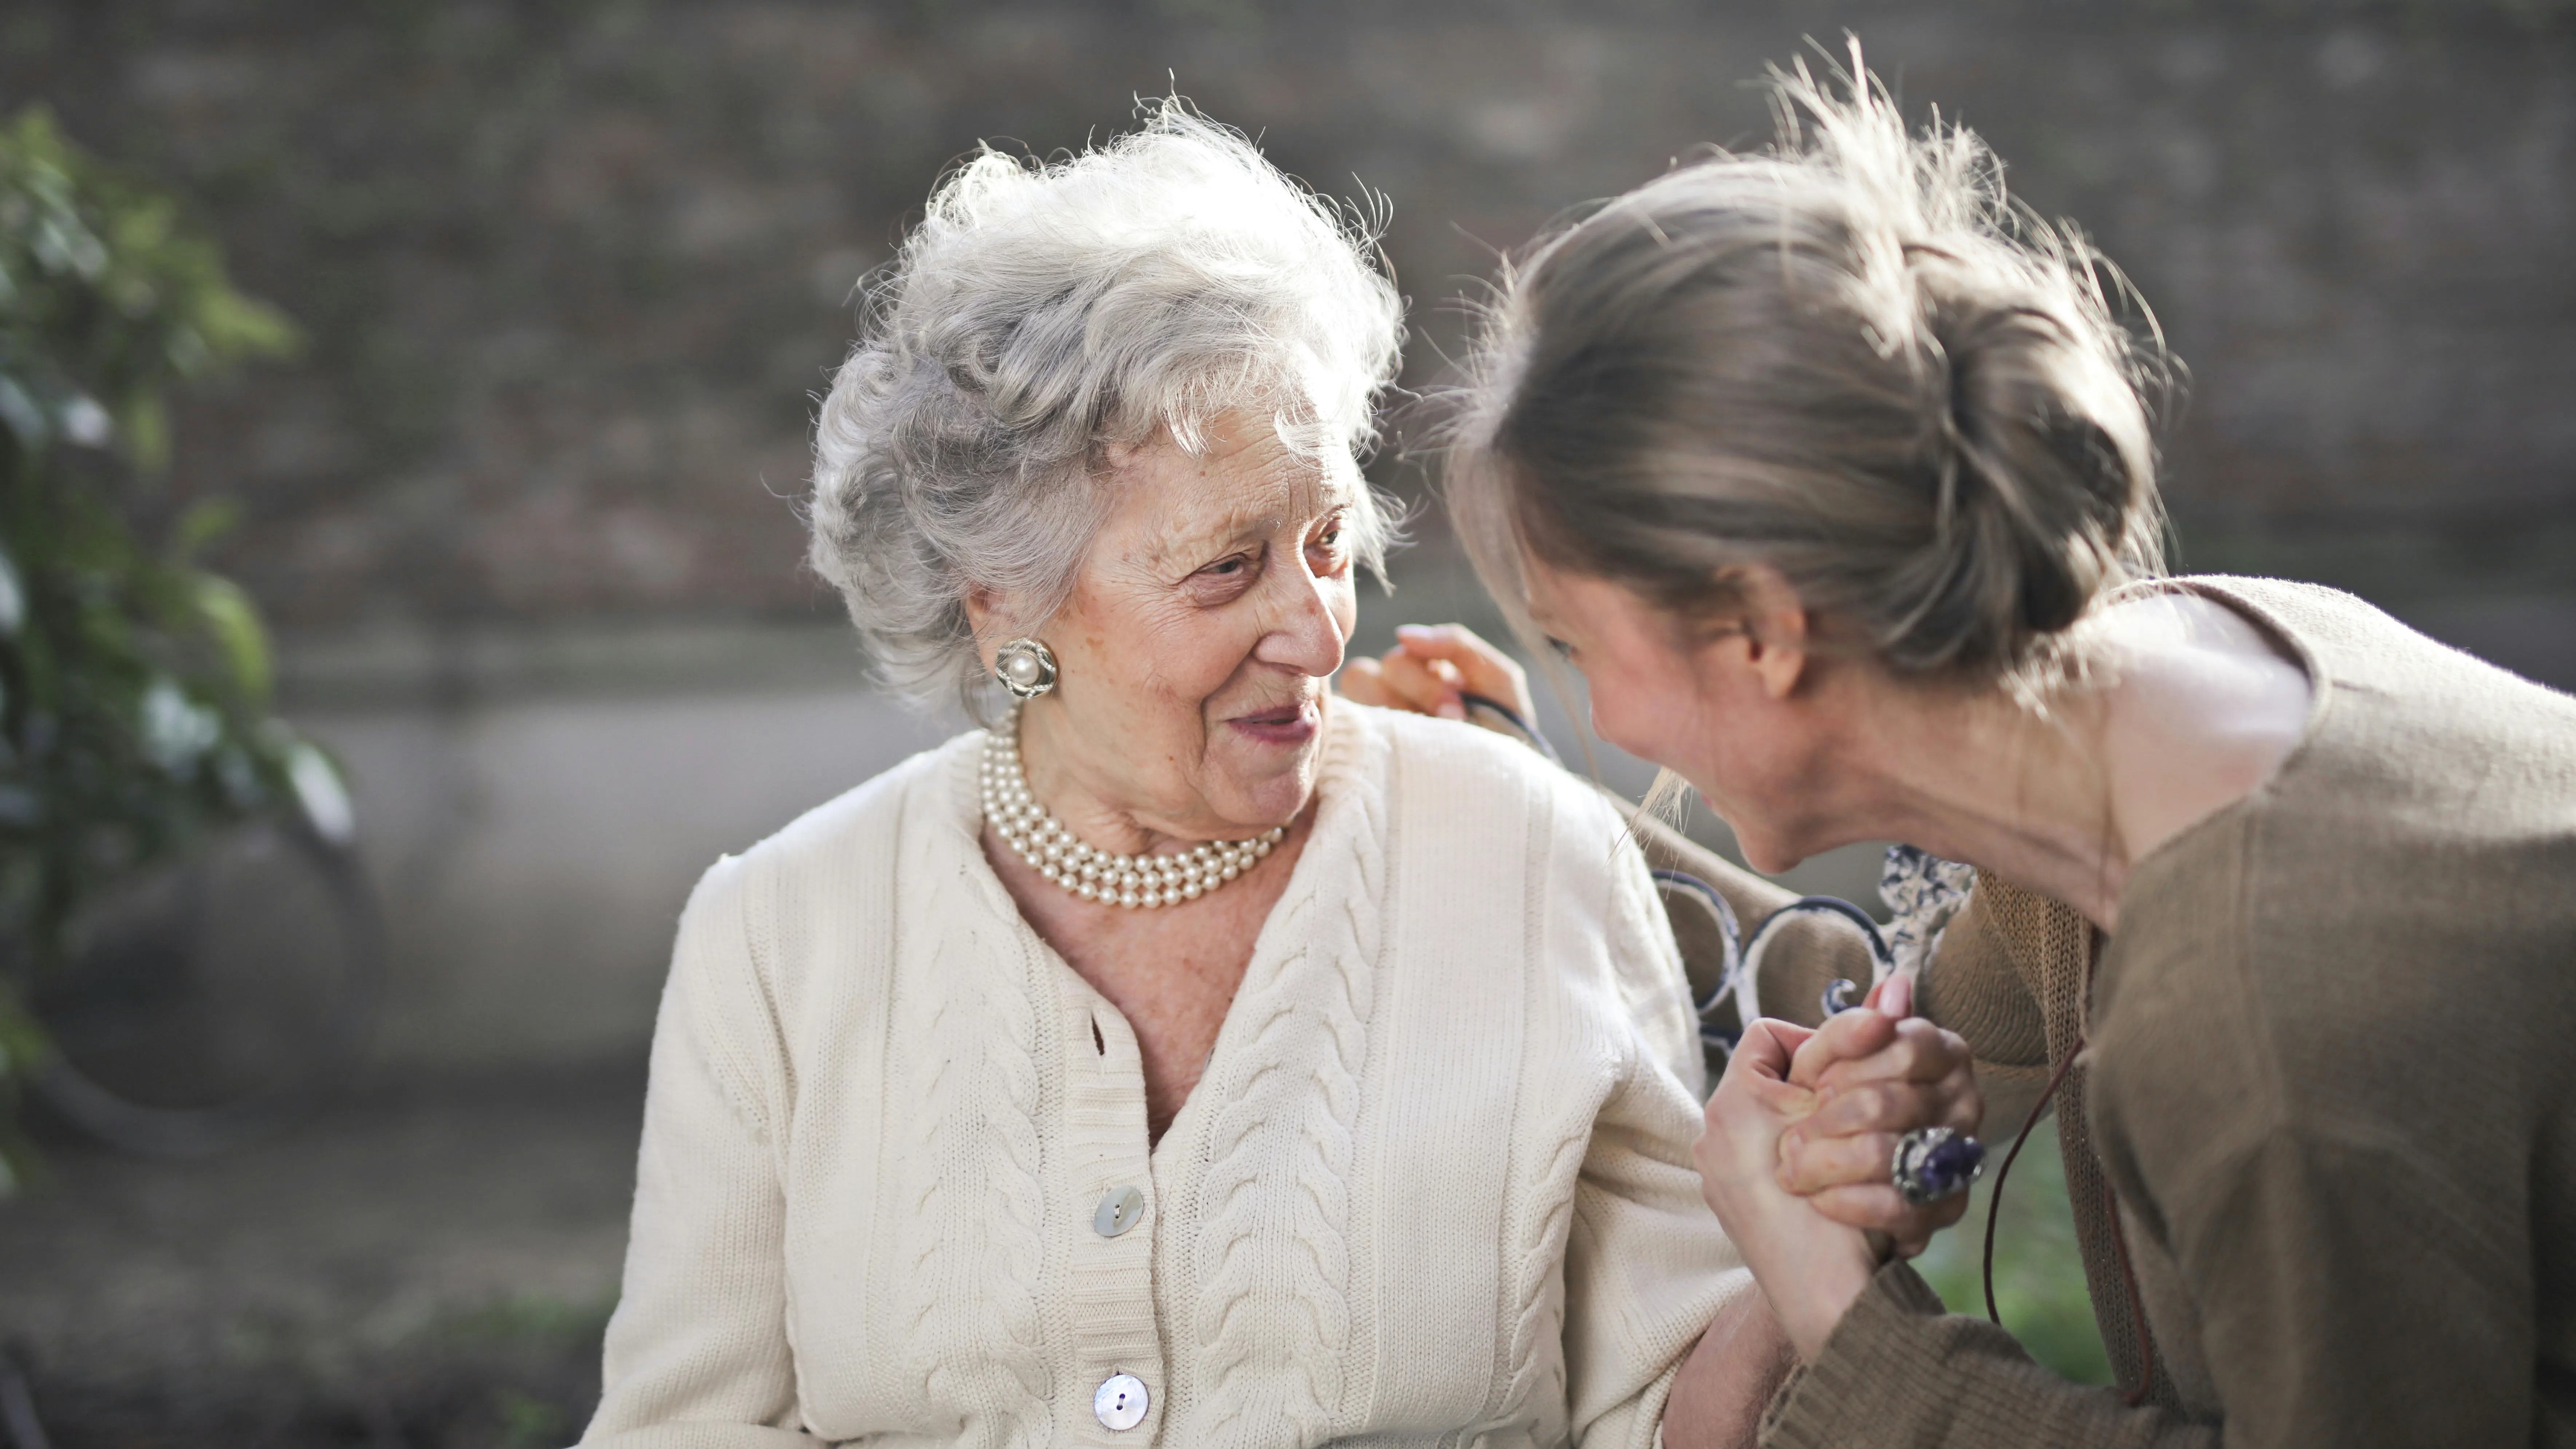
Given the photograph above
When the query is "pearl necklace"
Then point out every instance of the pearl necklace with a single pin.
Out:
(1096, 875)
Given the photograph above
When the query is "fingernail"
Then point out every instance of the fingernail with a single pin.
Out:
(1414, 631)
(1898, 999)
(1452, 709)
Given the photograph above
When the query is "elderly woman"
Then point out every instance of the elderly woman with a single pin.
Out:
(1189, 1058)
(1833, 475)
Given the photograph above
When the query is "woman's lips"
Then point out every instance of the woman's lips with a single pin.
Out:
(1289, 724)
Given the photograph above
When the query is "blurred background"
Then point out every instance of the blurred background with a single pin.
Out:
(519, 507)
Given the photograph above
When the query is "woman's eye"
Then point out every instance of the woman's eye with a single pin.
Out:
(1563, 650)
(1226, 579)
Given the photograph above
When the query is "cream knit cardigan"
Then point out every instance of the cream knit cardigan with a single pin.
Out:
(1434, 1187)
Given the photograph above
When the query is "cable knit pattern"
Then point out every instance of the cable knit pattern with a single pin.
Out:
(1538, 1376)
(1274, 1309)
(1431, 1189)
(1537, 1294)
(976, 1215)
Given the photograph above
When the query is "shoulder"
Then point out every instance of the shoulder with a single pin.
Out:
(2429, 790)
(1473, 816)
(2289, 606)
(2427, 813)
(1458, 784)
(2351, 642)
(922, 791)
(804, 915)
(838, 859)
(1486, 813)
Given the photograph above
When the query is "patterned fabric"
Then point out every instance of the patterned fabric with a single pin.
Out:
(1924, 891)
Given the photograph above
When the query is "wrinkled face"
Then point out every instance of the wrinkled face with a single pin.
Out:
(1203, 627)
(1698, 707)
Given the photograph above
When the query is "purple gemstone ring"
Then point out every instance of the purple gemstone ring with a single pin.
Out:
(1932, 1163)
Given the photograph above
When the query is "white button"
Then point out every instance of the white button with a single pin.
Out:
(1120, 1402)
(1118, 1211)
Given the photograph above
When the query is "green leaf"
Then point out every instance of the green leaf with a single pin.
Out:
(237, 326)
(233, 620)
(202, 524)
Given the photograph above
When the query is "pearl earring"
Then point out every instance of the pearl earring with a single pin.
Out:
(1025, 667)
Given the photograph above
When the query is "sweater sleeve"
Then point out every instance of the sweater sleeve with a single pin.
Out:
(1647, 1266)
(1898, 1370)
(1974, 986)
(1653, 979)
(2287, 1253)
(698, 1355)
(1898, 1373)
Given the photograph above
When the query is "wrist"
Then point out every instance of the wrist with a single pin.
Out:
(1823, 1293)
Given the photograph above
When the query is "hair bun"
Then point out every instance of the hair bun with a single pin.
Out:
(2036, 497)
(1850, 359)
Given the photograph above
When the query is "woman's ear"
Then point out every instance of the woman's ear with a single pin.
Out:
(983, 609)
(1775, 628)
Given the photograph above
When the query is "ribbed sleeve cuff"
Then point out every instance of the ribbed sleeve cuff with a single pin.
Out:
(1869, 1380)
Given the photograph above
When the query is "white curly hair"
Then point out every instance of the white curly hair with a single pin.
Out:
(1044, 311)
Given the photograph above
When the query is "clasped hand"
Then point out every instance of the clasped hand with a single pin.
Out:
(1800, 1134)
(1802, 1129)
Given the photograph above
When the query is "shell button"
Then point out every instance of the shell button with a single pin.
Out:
(1120, 1402)
(1119, 1210)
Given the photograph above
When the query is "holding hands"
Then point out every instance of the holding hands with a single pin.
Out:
(1877, 1073)
(1803, 1129)
(1801, 1133)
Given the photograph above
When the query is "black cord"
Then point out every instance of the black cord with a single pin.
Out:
(1512, 717)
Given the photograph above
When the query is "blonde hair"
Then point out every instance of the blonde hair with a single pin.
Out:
(1851, 358)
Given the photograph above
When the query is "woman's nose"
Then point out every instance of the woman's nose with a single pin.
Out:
(1305, 633)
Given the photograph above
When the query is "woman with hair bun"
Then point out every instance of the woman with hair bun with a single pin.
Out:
(1832, 472)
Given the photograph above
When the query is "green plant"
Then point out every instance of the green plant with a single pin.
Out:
(2039, 1271)
(134, 684)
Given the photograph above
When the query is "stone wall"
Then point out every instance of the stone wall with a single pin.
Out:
(570, 271)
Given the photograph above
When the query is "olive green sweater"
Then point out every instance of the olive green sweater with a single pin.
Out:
(2330, 1083)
